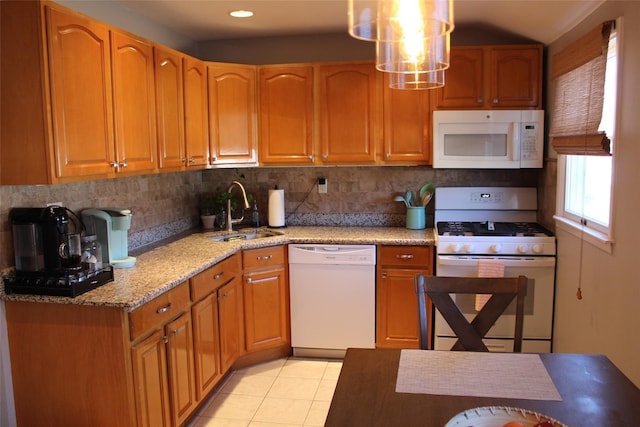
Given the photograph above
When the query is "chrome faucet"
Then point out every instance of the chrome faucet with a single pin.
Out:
(230, 220)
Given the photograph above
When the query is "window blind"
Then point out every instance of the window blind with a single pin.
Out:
(578, 74)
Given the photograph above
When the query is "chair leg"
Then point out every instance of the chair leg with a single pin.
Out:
(422, 311)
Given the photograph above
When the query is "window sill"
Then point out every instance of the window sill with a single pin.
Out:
(595, 238)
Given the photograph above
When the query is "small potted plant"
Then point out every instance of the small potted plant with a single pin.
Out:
(208, 210)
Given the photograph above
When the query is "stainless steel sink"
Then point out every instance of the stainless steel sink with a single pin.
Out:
(244, 235)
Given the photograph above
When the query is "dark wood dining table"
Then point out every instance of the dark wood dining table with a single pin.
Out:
(594, 392)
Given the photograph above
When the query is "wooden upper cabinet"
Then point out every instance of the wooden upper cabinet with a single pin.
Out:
(195, 113)
(493, 77)
(134, 103)
(232, 113)
(80, 75)
(286, 115)
(516, 77)
(170, 108)
(407, 126)
(348, 110)
(464, 79)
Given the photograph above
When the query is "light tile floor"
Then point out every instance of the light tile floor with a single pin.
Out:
(280, 393)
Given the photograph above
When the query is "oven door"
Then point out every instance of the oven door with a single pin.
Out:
(538, 315)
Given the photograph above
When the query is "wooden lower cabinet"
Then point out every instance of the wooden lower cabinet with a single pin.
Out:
(151, 381)
(206, 344)
(396, 300)
(231, 321)
(266, 298)
(181, 369)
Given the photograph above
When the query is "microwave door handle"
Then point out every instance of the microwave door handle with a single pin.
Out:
(515, 141)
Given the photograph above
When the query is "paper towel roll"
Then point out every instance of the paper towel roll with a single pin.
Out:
(276, 208)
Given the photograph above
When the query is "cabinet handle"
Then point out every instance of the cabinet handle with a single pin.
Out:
(192, 160)
(163, 309)
(123, 164)
(266, 257)
(165, 339)
(310, 157)
(175, 332)
(214, 159)
(495, 100)
(387, 155)
(218, 276)
(384, 274)
(264, 279)
(404, 256)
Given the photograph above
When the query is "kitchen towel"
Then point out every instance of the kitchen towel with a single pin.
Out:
(488, 267)
(276, 208)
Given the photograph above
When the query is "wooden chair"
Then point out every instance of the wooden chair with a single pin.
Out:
(502, 290)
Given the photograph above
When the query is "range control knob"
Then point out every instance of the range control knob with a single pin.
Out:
(495, 248)
(522, 249)
(467, 248)
(454, 248)
(537, 248)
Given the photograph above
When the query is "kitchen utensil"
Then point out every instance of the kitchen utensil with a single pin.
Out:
(401, 199)
(409, 197)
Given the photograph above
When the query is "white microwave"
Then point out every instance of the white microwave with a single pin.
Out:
(488, 139)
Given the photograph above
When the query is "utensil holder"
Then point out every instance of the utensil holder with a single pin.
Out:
(416, 217)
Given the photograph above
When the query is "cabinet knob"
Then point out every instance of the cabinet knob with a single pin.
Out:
(384, 275)
(386, 156)
(192, 160)
(123, 164)
(165, 339)
(324, 157)
(218, 276)
(480, 100)
(249, 280)
(495, 100)
(214, 159)
(310, 157)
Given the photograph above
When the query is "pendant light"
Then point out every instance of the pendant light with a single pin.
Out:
(412, 37)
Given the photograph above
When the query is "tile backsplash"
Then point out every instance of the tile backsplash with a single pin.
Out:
(167, 204)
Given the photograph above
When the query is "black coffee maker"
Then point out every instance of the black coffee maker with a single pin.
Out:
(47, 248)
(41, 238)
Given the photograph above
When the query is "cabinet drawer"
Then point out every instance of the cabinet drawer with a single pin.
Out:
(264, 257)
(406, 256)
(158, 310)
(214, 277)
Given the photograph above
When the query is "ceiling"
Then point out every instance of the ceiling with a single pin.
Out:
(539, 20)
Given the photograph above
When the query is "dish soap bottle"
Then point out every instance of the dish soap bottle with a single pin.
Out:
(255, 215)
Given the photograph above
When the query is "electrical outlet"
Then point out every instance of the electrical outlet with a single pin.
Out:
(322, 185)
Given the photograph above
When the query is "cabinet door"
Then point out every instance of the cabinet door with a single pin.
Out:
(407, 125)
(151, 382)
(206, 346)
(349, 113)
(516, 77)
(286, 115)
(195, 113)
(170, 109)
(464, 79)
(266, 308)
(180, 364)
(232, 114)
(82, 109)
(231, 323)
(134, 103)
(397, 309)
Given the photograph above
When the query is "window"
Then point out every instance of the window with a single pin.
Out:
(585, 181)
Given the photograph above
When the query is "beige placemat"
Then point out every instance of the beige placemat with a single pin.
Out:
(457, 373)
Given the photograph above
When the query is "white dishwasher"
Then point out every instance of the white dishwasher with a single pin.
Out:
(333, 300)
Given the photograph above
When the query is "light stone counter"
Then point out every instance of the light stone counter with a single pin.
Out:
(164, 267)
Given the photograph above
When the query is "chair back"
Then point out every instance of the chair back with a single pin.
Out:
(503, 290)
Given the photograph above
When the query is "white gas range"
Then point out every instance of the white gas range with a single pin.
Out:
(474, 224)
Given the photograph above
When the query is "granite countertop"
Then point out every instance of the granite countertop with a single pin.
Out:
(164, 267)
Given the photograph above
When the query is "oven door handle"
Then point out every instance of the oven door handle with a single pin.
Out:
(514, 261)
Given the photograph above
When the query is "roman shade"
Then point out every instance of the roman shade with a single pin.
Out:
(577, 75)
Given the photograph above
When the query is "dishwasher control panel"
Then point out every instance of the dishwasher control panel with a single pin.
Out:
(332, 254)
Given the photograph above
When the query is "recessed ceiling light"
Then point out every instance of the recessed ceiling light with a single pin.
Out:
(241, 13)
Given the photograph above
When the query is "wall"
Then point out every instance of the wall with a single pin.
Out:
(606, 319)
